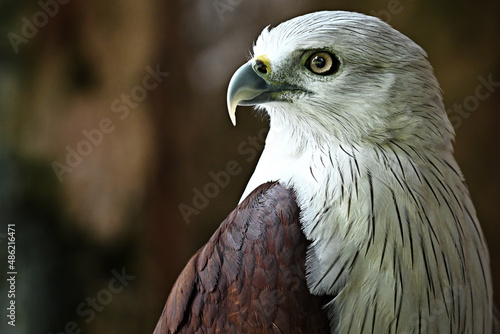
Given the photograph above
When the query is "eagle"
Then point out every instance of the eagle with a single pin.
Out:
(357, 218)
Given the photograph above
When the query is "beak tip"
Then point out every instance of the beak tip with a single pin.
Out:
(232, 115)
(231, 107)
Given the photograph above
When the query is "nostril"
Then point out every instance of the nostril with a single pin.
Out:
(260, 66)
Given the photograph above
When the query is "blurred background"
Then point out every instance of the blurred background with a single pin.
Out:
(113, 129)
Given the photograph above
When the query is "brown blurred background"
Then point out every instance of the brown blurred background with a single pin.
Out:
(75, 76)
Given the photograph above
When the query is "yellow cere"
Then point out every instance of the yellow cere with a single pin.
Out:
(265, 59)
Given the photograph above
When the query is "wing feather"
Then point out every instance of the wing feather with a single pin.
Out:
(250, 276)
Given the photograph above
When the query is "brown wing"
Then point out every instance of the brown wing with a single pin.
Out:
(250, 276)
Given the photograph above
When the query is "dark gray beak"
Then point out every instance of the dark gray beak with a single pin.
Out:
(250, 86)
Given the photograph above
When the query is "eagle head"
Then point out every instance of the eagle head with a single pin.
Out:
(343, 76)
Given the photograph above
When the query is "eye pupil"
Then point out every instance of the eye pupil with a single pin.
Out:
(322, 63)
(319, 62)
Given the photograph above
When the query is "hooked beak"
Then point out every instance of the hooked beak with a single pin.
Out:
(249, 86)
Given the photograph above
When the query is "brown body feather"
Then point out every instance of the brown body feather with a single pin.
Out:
(250, 276)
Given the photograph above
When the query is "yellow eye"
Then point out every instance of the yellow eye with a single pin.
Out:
(322, 63)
